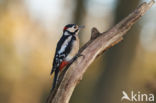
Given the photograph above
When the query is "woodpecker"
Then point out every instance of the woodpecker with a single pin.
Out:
(66, 49)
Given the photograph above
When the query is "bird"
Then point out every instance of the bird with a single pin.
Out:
(66, 49)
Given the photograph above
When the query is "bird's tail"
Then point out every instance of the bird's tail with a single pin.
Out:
(55, 78)
(52, 70)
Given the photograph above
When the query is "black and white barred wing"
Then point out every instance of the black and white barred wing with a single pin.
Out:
(62, 49)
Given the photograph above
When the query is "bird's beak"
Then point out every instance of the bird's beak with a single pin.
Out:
(81, 26)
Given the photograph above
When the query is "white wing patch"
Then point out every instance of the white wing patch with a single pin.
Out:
(65, 44)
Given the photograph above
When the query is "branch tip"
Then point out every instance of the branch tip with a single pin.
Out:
(94, 33)
(151, 3)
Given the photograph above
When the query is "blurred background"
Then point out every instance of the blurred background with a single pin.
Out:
(30, 29)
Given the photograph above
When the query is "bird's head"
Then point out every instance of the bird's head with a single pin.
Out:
(72, 29)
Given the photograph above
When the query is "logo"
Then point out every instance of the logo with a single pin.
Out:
(138, 96)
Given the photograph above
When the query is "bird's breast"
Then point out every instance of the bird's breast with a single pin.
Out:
(74, 49)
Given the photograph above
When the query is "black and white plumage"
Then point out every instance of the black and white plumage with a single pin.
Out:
(67, 48)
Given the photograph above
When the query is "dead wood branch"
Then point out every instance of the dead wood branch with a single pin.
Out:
(98, 44)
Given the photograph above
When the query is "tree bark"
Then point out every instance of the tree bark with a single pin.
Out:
(119, 59)
(90, 51)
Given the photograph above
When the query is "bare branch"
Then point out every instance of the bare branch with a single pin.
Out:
(98, 44)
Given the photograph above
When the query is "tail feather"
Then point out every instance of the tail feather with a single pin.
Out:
(55, 79)
(52, 70)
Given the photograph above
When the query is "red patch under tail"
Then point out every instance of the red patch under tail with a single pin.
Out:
(63, 64)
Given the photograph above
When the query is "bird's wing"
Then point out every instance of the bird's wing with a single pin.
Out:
(62, 49)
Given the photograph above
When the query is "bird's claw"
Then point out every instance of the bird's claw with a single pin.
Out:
(79, 55)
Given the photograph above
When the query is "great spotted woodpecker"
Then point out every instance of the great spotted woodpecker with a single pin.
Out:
(66, 50)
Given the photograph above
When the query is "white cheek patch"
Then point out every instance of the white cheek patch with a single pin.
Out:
(65, 44)
(71, 29)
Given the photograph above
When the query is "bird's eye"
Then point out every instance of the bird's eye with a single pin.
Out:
(74, 27)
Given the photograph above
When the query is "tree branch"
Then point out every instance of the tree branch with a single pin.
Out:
(98, 43)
